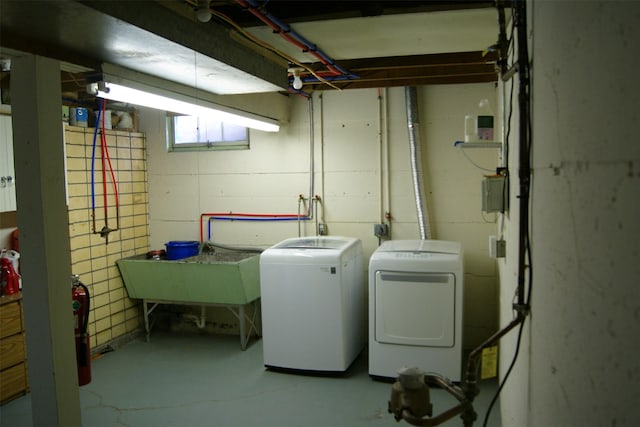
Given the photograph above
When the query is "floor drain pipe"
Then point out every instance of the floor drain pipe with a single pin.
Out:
(411, 95)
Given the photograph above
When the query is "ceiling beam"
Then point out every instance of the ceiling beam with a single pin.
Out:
(446, 68)
(142, 35)
(207, 38)
(435, 59)
(297, 11)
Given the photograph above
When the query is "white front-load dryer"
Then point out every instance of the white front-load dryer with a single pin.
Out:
(313, 303)
(415, 308)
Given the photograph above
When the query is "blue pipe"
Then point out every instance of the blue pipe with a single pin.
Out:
(93, 164)
(330, 79)
(235, 218)
(299, 92)
(310, 46)
(287, 29)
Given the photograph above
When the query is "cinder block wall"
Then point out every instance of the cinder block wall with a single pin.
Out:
(362, 169)
(113, 314)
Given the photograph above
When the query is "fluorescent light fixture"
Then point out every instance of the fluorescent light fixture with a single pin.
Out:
(192, 107)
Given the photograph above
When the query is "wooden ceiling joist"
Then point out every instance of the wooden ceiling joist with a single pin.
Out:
(446, 68)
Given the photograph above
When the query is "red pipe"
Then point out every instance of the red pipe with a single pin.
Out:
(284, 35)
(113, 178)
(243, 215)
(103, 143)
(105, 156)
(250, 215)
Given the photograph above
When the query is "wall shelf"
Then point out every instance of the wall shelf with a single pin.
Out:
(484, 144)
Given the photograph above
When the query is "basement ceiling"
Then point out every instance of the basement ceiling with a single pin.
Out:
(384, 43)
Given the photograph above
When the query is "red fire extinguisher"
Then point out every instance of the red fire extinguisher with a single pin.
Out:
(9, 281)
(80, 298)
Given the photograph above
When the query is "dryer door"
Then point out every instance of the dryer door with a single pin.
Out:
(415, 308)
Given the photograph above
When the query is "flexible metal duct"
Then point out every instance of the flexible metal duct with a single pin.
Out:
(411, 95)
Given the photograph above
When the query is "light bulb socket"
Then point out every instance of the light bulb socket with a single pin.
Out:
(203, 15)
(202, 12)
(297, 81)
(94, 88)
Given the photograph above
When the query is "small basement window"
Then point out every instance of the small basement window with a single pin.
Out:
(190, 133)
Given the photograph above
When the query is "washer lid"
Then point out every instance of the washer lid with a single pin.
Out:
(440, 246)
(314, 243)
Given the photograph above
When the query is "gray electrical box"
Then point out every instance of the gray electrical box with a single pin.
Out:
(380, 230)
(495, 194)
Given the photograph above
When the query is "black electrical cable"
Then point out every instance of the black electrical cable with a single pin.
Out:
(518, 341)
(505, 190)
(506, 141)
(519, 13)
(507, 136)
(506, 376)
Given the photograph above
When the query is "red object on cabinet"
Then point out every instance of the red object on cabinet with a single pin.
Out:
(9, 282)
(15, 244)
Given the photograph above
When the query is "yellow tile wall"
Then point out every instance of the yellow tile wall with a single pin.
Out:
(93, 257)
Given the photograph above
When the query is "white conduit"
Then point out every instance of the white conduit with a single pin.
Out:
(413, 122)
(383, 159)
(312, 156)
(387, 166)
(311, 210)
(200, 321)
(381, 155)
(321, 155)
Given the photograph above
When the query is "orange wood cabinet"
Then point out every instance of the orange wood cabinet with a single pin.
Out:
(13, 354)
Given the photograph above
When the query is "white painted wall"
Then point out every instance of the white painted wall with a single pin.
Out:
(579, 364)
(362, 170)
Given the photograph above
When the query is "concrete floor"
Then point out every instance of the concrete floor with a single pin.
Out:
(181, 379)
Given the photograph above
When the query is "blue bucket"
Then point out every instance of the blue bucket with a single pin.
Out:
(179, 250)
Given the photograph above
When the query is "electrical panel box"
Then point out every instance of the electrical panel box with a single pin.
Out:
(380, 230)
(322, 229)
(495, 194)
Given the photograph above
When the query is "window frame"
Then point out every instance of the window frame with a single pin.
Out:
(172, 146)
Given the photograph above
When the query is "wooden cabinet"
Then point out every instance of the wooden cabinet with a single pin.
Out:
(13, 354)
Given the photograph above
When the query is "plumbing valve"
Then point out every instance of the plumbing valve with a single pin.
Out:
(410, 393)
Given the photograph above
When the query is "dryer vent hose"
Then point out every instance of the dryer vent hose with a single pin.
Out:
(413, 121)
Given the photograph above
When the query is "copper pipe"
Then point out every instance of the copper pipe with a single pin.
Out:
(438, 419)
(441, 382)
(470, 381)
(457, 392)
(466, 392)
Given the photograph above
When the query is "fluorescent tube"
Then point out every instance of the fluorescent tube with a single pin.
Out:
(129, 95)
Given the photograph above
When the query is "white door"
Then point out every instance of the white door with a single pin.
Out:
(415, 308)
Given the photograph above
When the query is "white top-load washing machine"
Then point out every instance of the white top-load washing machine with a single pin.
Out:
(415, 308)
(313, 303)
